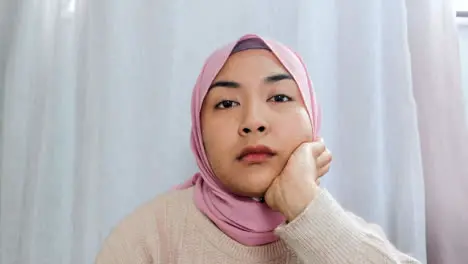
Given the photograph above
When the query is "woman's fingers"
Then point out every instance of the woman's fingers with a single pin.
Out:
(324, 159)
(318, 148)
(322, 171)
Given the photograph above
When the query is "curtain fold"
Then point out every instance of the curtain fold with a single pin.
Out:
(443, 127)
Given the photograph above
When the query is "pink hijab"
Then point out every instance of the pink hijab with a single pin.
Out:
(243, 219)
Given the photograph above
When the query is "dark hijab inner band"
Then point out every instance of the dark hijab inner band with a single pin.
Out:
(251, 43)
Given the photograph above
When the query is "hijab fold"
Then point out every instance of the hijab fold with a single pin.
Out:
(243, 219)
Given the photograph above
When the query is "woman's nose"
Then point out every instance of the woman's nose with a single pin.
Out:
(247, 130)
(253, 124)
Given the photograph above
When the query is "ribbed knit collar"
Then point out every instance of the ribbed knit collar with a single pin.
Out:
(232, 248)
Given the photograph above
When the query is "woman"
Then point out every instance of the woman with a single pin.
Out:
(256, 198)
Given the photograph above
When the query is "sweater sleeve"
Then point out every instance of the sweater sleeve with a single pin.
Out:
(325, 233)
(123, 247)
(135, 240)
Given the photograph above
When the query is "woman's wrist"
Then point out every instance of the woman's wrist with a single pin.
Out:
(299, 204)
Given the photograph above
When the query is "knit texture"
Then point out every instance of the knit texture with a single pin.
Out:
(170, 229)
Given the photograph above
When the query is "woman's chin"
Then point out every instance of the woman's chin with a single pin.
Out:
(252, 182)
(251, 188)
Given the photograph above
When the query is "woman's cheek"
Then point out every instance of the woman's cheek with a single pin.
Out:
(299, 127)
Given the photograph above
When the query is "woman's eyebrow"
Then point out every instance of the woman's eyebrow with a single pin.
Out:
(269, 79)
(278, 77)
(227, 84)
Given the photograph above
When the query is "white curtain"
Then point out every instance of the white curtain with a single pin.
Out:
(443, 128)
(463, 35)
(95, 120)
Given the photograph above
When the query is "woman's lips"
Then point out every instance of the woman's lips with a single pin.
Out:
(253, 158)
(255, 154)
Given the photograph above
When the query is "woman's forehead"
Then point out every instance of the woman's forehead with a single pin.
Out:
(248, 62)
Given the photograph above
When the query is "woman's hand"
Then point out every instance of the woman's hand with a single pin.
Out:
(323, 162)
(296, 186)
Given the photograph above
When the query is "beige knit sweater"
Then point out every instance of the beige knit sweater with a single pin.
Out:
(170, 229)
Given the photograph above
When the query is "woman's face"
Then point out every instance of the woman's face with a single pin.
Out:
(253, 103)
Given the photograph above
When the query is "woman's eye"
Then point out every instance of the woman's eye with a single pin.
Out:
(280, 98)
(226, 104)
